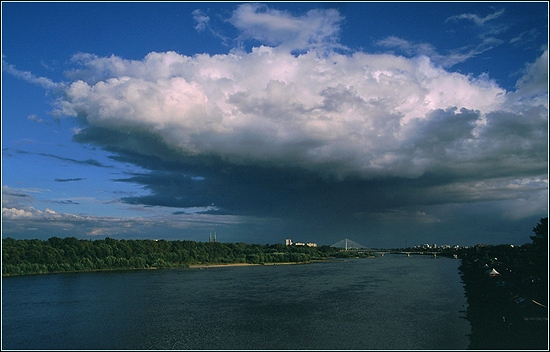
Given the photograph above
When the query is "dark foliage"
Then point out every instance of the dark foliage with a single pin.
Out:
(69, 254)
(509, 310)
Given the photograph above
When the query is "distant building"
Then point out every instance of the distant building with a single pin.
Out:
(289, 242)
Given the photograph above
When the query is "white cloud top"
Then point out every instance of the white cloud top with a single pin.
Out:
(363, 114)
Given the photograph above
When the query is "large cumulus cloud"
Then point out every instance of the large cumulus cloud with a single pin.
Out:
(272, 133)
(340, 115)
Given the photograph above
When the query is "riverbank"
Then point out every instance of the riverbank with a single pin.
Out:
(505, 311)
(207, 266)
(189, 266)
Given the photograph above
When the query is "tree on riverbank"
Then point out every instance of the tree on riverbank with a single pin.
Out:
(540, 239)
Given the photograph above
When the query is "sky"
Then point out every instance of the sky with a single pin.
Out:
(392, 124)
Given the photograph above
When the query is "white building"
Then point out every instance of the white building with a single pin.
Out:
(289, 242)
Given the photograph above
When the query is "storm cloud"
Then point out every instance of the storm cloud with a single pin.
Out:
(302, 136)
(301, 128)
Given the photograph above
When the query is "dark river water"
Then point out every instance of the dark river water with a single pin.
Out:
(391, 302)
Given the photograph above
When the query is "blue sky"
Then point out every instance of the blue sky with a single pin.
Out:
(391, 124)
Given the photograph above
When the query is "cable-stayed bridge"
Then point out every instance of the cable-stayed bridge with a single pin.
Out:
(348, 244)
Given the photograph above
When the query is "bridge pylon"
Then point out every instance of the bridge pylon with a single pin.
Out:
(348, 244)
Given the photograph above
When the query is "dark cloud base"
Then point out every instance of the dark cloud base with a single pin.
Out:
(314, 208)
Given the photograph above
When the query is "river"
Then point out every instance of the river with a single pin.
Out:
(392, 302)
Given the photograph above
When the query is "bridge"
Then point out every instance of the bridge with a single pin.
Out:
(349, 245)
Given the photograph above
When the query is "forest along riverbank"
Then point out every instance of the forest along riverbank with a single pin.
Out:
(69, 254)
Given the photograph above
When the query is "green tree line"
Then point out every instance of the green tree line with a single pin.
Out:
(69, 254)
